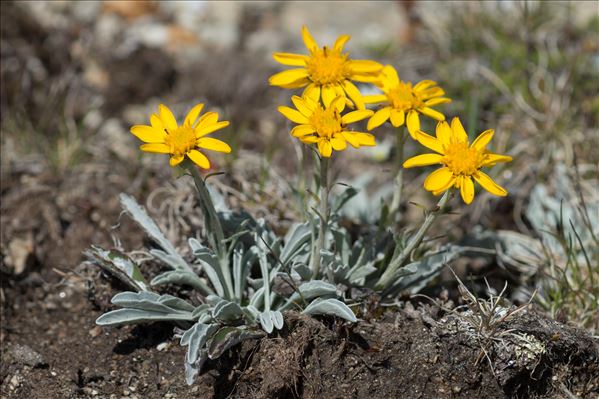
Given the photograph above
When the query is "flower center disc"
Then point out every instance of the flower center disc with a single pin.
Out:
(462, 160)
(181, 140)
(402, 97)
(327, 66)
(327, 122)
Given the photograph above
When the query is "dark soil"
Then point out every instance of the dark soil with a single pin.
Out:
(53, 350)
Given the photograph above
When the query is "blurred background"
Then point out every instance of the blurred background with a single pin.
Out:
(77, 75)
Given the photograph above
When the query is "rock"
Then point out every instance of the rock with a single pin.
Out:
(23, 355)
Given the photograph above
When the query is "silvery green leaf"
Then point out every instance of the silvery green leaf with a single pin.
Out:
(131, 316)
(266, 321)
(270, 320)
(341, 200)
(303, 270)
(200, 310)
(141, 217)
(251, 312)
(227, 337)
(151, 302)
(317, 288)
(297, 237)
(333, 307)
(182, 277)
(118, 265)
(176, 303)
(173, 261)
(192, 369)
(196, 338)
(227, 311)
(258, 298)
(210, 264)
(416, 275)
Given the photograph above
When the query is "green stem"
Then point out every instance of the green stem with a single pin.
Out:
(214, 229)
(389, 275)
(396, 201)
(324, 215)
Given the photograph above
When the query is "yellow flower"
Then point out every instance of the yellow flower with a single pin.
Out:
(403, 103)
(461, 161)
(165, 136)
(326, 72)
(325, 127)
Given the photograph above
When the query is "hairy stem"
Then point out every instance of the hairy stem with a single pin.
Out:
(324, 215)
(214, 229)
(388, 276)
(396, 201)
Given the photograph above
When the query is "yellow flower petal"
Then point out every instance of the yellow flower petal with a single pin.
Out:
(208, 118)
(202, 131)
(437, 101)
(292, 78)
(312, 91)
(488, 184)
(210, 143)
(430, 93)
(309, 139)
(483, 139)
(302, 130)
(157, 123)
(390, 75)
(167, 117)
(309, 41)
(199, 159)
(466, 189)
(423, 160)
(193, 114)
(356, 116)
(293, 115)
(413, 122)
(432, 113)
(398, 117)
(374, 98)
(328, 95)
(353, 93)
(338, 142)
(302, 106)
(155, 147)
(148, 134)
(290, 59)
(340, 42)
(459, 134)
(339, 103)
(425, 84)
(429, 141)
(491, 159)
(364, 66)
(325, 148)
(176, 160)
(365, 139)
(443, 133)
(353, 140)
(440, 180)
(379, 118)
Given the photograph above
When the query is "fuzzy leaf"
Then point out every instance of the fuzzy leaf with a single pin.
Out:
(141, 217)
(196, 338)
(227, 311)
(132, 316)
(333, 307)
(118, 265)
(227, 337)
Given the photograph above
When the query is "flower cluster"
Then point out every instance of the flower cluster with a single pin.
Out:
(327, 74)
